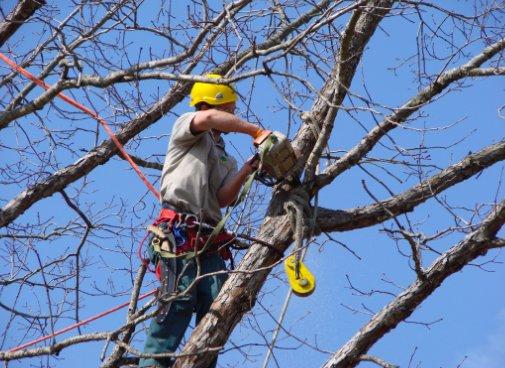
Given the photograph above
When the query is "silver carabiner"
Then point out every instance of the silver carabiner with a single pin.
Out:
(191, 219)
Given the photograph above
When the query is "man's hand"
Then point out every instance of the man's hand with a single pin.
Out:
(260, 136)
(253, 162)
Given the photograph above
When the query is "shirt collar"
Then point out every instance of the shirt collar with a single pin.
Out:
(219, 142)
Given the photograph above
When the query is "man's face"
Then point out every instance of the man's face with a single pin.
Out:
(228, 107)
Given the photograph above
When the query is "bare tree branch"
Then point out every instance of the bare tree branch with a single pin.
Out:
(330, 220)
(21, 13)
(380, 362)
(473, 246)
(401, 114)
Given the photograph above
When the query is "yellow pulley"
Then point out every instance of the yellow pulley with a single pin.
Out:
(302, 282)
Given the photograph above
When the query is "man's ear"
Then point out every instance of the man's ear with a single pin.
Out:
(202, 106)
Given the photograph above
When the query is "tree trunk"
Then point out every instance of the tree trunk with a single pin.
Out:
(240, 291)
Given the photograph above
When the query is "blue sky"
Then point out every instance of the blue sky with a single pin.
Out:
(471, 304)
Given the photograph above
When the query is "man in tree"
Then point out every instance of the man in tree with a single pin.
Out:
(198, 179)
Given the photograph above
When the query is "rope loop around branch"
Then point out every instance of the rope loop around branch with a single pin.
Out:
(295, 207)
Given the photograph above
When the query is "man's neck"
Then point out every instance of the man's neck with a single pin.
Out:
(216, 134)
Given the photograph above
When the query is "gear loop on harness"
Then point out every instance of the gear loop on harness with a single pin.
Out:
(183, 240)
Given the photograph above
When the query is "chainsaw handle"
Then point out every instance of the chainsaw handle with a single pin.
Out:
(253, 161)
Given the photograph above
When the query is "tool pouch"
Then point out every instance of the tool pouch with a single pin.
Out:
(159, 240)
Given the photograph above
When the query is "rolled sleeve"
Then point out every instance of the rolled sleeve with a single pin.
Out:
(181, 133)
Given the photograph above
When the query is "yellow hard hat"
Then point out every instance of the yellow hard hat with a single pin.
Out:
(213, 94)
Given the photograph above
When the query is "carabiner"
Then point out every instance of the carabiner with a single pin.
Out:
(191, 221)
(156, 242)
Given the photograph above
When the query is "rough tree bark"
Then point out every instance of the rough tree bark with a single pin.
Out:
(22, 12)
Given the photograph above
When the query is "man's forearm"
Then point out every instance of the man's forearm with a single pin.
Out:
(222, 121)
(229, 192)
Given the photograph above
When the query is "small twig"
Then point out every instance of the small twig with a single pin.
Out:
(378, 361)
(416, 255)
(344, 246)
(144, 163)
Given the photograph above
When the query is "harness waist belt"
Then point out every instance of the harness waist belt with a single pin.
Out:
(189, 223)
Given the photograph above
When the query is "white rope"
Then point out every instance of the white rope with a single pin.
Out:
(294, 209)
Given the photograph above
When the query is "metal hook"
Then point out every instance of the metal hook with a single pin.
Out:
(193, 219)
(156, 242)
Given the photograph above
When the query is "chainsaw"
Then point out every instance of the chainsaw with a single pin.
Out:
(277, 157)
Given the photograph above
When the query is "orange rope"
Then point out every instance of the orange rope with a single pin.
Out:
(121, 149)
(88, 111)
(78, 324)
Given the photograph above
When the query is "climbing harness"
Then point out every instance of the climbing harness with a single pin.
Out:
(177, 235)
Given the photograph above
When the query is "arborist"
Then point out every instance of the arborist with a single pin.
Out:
(198, 179)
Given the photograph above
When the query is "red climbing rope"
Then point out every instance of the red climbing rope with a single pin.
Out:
(121, 149)
(88, 111)
(78, 324)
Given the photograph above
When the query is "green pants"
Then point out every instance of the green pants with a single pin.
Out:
(165, 337)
